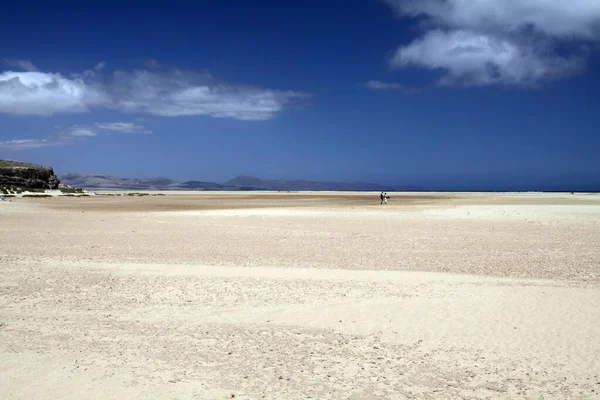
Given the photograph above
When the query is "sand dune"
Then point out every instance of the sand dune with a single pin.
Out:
(315, 296)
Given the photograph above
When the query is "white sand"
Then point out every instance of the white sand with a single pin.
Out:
(318, 301)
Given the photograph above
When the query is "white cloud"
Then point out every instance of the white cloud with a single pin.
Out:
(122, 127)
(80, 131)
(164, 93)
(186, 93)
(22, 64)
(74, 133)
(481, 42)
(100, 65)
(379, 85)
(100, 128)
(39, 93)
(152, 63)
(577, 18)
(24, 144)
(475, 58)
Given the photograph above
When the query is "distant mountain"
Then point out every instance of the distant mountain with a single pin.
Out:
(105, 182)
(301, 185)
(199, 185)
(100, 182)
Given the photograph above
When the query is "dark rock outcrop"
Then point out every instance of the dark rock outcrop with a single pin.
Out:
(23, 175)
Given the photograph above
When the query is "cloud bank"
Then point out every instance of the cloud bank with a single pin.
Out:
(167, 93)
(514, 42)
(39, 93)
(75, 133)
(186, 93)
(24, 144)
(152, 63)
(392, 86)
(100, 128)
(21, 64)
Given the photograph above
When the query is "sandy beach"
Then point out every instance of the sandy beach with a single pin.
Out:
(301, 295)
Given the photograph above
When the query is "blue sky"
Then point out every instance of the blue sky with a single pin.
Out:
(439, 93)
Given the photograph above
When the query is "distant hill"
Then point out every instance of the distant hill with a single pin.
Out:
(106, 182)
(101, 182)
(302, 185)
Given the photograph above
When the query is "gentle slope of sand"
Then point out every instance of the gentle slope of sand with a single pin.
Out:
(320, 296)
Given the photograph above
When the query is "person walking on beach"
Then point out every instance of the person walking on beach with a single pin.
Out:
(381, 197)
(385, 198)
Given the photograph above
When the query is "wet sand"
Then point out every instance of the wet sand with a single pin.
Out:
(277, 295)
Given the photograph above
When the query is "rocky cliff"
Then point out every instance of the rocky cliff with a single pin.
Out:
(23, 175)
